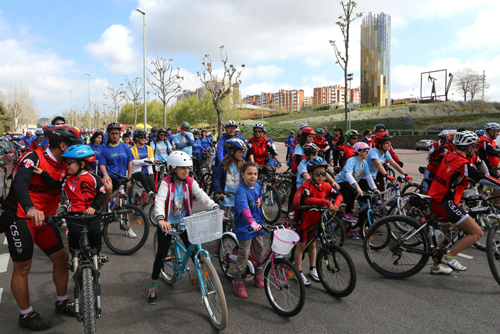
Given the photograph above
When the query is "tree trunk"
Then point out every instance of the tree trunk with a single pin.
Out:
(164, 115)
(219, 121)
(135, 118)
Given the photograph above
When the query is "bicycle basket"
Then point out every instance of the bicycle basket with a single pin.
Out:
(204, 226)
(284, 240)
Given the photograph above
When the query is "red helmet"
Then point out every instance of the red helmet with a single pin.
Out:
(307, 131)
(381, 137)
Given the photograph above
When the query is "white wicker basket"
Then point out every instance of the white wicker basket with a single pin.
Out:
(204, 226)
(284, 240)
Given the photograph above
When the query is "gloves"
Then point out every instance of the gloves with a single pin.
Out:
(256, 227)
(279, 164)
(390, 178)
(400, 163)
(408, 177)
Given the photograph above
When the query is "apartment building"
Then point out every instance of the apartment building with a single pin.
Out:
(335, 94)
(291, 100)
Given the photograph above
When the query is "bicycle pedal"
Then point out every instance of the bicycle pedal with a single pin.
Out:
(194, 281)
(167, 259)
(103, 259)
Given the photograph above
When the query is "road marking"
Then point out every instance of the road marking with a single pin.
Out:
(1, 292)
(5, 241)
(4, 262)
(466, 256)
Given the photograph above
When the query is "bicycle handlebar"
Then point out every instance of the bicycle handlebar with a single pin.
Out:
(122, 177)
(56, 219)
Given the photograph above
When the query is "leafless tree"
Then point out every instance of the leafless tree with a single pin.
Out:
(115, 96)
(344, 22)
(165, 81)
(20, 107)
(132, 94)
(219, 88)
(469, 82)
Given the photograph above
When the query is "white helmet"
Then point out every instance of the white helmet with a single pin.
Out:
(465, 138)
(492, 126)
(179, 159)
(302, 125)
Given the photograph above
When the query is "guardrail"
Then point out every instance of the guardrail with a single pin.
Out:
(398, 132)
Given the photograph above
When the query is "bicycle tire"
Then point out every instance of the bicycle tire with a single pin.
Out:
(271, 205)
(396, 257)
(169, 267)
(412, 187)
(152, 218)
(336, 270)
(206, 182)
(228, 248)
(287, 299)
(89, 313)
(493, 251)
(335, 232)
(115, 232)
(284, 189)
(213, 295)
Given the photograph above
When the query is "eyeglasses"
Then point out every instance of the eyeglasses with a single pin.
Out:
(366, 150)
(59, 123)
(319, 174)
(161, 134)
(258, 131)
(114, 133)
(69, 162)
(369, 134)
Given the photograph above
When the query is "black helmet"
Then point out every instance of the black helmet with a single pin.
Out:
(113, 126)
(63, 134)
(162, 130)
(169, 129)
(185, 126)
(154, 129)
(58, 118)
(139, 133)
(196, 132)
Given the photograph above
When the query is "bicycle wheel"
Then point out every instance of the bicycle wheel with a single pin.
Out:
(493, 251)
(399, 254)
(271, 205)
(88, 301)
(212, 292)
(336, 270)
(412, 187)
(284, 190)
(206, 182)
(284, 287)
(228, 252)
(335, 232)
(152, 215)
(366, 226)
(128, 233)
(169, 267)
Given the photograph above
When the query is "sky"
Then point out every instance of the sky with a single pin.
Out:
(49, 45)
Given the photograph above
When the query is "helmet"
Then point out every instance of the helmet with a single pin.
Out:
(44, 127)
(236, 144)
(39, 132)
(381, 137)
(258, 126)
(264, 130)
(169, 129)
(292, 132)
(379, 126)
(443, 134)
(492, 126)
(230, 123)
(307, 131)
(139, 133)
(320, 130)
(80, 152)
(302, 125)
(310, 149)
(359, 147)
(351, 133)
(451, 135)
(162, 130)
(480, 133)
(179, 159)
(57, 118)
(62, 134)
(185, 126)
(9, 133)
(238, 129)
(316, 162)
(154, 129)
(196, 132)
(209, 133)
(113, 126)
(465, 138)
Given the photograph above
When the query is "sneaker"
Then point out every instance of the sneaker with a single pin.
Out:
(66, 307)
(216, 251)
(314, 275)
(351, 235)
(130, 233)
(453, 264)
(153, 296)
(348, 217)
(240, 289)
(151, 194)
(284, 211)
(306, 281)
(258, 280)
(442, 270)
(34, 322)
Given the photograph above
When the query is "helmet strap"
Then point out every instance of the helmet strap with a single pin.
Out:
(178, 178)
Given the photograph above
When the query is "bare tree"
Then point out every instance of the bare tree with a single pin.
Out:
(344, 22)
(469, 82)
(132, 94)
(115, 96)
(20, 107)
(219, 89)
(165, 81)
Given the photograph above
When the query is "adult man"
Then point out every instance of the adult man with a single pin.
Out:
(222, 151)
(259, 146)
(28, 138)
(184, 139)
(35, 143)
(23, 215)
(237, 134)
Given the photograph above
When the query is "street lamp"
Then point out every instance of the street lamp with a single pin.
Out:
(144, 66)
(349, 78)
(89, 90)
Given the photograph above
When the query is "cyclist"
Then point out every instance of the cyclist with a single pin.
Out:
(161, 146)
(173, 202)
(28, 139)
(446, 191)
(488, 150)
(329, 141)
(320, 140)
(142, 169)
(259, 146)
(289, 143)
(338, 140)
(97, 146)
(169, 137)
(197, 152)
(436, 157)
(58, 120)
(230, 127)
(346, 152)
(210, 139)
(310, 152)
(126, 139)
(381, 128)
(35, 143)
(237, 134)
(22, 219)
(184, 139)
(367, 136)
(441, 141)
(152, 136)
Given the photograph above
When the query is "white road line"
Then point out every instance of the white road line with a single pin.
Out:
(466, 256)
(1, 292)
(4, 262)
(5, 241)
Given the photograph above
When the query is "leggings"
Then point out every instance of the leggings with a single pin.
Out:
(292, 194)
(74, 234)
(349, 193)
(146, 180)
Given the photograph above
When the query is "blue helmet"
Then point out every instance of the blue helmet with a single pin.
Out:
(480, 133)
(316, 162)
(236, 144)
(39, 132)
(320, 131)
(379, 126)
(80, 152)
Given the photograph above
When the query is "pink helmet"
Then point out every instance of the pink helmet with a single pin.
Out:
(359, 146)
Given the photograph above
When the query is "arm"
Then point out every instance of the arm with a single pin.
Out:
(216, 180)
(396, 166)
(21, 182)
(220, 150)
(50, 182)
(491, 150)
(161, 199)
(394, 156)
(100, 193)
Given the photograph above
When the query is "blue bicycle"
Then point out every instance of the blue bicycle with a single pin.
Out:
(201, 227)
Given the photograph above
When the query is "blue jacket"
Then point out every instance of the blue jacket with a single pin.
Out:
(184, 142)
(222, 151)
(205, 143)
(219, 179)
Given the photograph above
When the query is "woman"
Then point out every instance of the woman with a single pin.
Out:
(97, 146)
(142, 170)
(161, 146)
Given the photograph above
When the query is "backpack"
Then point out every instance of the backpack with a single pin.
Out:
(297, 201)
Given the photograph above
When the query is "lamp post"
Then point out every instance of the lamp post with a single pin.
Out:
(89, 90)
(349, 78)
(144, 66)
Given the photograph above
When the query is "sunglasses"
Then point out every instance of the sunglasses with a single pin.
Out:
(142, 137)
(319, 174)
(258, 131)
(59, 123)
(161, 134)
(114, 134)
(69, 162)
(366, 150)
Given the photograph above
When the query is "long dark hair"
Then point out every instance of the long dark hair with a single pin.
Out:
(94, 136)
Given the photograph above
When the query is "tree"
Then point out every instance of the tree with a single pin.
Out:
(115, 96)
(344, 22)
(132, 94)
(20, 107)
(165, 82)
(469, 82)
(219, 89)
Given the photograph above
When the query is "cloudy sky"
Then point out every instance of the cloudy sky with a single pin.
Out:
(49, 45)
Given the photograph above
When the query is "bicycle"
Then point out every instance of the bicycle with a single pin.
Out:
(271, 199)
(201, 227)
(332, 261)
(284, 287)
(85, 265)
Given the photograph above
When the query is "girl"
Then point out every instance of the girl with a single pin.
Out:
(247, 213)
(173, 202)
(96, 146)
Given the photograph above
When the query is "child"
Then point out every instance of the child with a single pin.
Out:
(173, 202)
(315, 191)
(247, 213)
(84, 190)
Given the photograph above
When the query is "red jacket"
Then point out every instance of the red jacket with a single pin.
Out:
(452, 163)
(83, 191)
(314, 194)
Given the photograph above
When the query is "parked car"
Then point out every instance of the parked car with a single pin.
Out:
(8, 154)
(424, 144)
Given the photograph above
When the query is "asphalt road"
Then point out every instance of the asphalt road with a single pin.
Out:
(459, 303)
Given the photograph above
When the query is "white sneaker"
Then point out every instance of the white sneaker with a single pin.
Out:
(314, 275)
(306, 281)
(442, 270)
(151, 194)
(130, 233)
(453, 264)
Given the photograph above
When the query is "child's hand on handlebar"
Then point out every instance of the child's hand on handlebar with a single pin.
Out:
(90, 211)
(256, 227)
(165, 226)
(333, 208)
